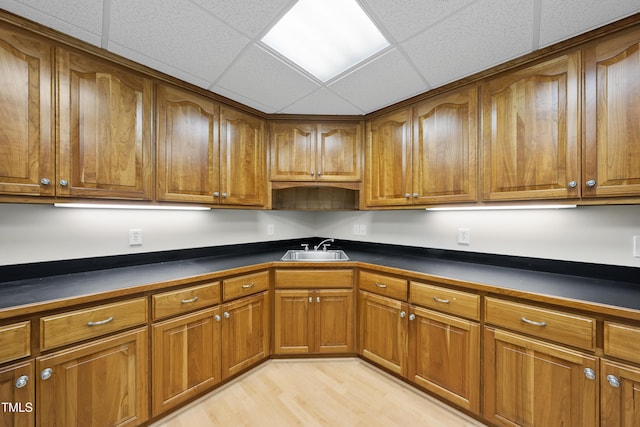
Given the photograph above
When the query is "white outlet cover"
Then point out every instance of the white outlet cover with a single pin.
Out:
(356, 229)
(270, 230)
(636, 246)
(135, 237)
(363, 229)
(464, 236)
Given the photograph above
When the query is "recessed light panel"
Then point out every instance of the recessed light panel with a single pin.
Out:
(325, 37)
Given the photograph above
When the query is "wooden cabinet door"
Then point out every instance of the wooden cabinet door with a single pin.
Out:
(292, 149)
(187, 147)
(444, 356)
(102, 383)
(383, 331)
(619, 394)
(532, 383)
(186, 357)
(26, 115)
(339, 152)
(104, 129)
(294, 324)
(243, 176)
(531, 130)
(17, 395)
(445, 148)
(612, 107)
(245, 333)
(388, 176)
(333, 314)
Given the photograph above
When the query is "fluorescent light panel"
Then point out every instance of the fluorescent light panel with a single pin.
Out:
(325, 37)
(500, 207)
(138, 207)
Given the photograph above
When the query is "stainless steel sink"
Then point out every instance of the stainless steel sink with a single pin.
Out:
(302, 255)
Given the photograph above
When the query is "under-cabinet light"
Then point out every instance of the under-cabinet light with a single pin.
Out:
(138, 207)
(500, 207)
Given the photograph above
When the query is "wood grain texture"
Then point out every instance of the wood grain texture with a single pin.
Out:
(622, 341)
(170, 303)
(381, 284)
(447, 300)
(16, 341)
(620, 406)
(244, 285)
(24, 396)
(313, 278)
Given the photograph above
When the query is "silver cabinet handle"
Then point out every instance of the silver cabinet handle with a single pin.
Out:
(317, 299)
(46, 374)
(310, 299)
(403, 314)
(22, 381)
(187, 301)
(217, 317)
(216, 194)
(572, 184)
(101, 322)
(45, 181)
(444, 301)
(591, 183)
(589, 373)
(412, 317)
(64, 182)
(248, 285)
(381, 285)
(226, 315)
(532, 322)
(613, 381)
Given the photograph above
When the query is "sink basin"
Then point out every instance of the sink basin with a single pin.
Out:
(302, 255)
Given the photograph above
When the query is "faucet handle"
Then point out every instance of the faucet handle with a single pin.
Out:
(324, 246)
(306, 246)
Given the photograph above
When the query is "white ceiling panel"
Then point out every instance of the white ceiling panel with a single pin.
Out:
(392, 76)
(322, 101)
(486, 33)
(238, 97)
(561, 20)
(260, 76)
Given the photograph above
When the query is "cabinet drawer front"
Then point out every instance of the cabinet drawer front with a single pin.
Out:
(463, 304)
(184, 300)
(16, 341)
(245, 285)
(565, 328)
(66, 328)
(315, 278)
(622, 341)
(383, 285)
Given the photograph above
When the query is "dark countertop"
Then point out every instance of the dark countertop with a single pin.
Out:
(426, 263)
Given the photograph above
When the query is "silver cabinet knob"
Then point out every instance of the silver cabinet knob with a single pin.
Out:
(216, 194)
(319, 174)
(591, 183)
(22, 381)
(64, 182)
(45, 181)
(217, 317)
(412, 317)
(589, 373)
(403, 314)
(407, 195)
(310, 299)
(613, 381)
(226, 315)
(416, 195)
(46, 374)
(224, 195)
(312, 173)
(572, 184)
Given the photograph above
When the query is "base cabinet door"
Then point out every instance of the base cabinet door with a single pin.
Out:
(245, 333)
(383, 328)
(185, 358)
(333, 319)
(103, 383)
(619, 394)
(293, 331)
(17, 395)
(444, 356)
(533, 383)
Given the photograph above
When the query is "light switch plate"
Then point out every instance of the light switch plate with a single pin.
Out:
(636, 246)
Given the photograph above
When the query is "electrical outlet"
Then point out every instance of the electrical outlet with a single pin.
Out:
(636, 246)
(356, 229)
(363, 229)
(135, 237)
(270, 230)
(464, 236)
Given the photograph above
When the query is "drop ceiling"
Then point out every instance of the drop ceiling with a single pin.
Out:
(215, 44)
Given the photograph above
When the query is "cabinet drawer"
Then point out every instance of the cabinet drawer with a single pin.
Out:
(16, 341)
(382, 284)
(460, 303)
(316, 278)
(66, 328)
(565, 328)
(245, 285)
(184, 300)
(622, 341)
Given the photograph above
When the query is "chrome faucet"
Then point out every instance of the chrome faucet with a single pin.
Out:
(315, 248)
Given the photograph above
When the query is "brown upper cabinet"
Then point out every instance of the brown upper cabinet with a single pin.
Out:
(207, 153)
(26, 115)
(436, 163)
(531, 130)
(307, 151)
(104, 129)
(611, 164)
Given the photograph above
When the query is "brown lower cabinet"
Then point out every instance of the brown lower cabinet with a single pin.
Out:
(619, 394)
(17, 395)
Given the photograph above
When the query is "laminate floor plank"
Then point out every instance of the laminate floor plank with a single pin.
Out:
(316, 393)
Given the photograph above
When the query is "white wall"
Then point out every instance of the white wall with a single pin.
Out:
(599, 234)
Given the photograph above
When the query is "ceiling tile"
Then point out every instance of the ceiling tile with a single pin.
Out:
(243, 100)
(484, 34)
(405, 18)
(176, 33)
(322, 101)
(560, 20)
(81, 19)
(260, 76)
(251, 17)
(384, 81)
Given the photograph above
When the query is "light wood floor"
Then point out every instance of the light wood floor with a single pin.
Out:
(316, 392)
